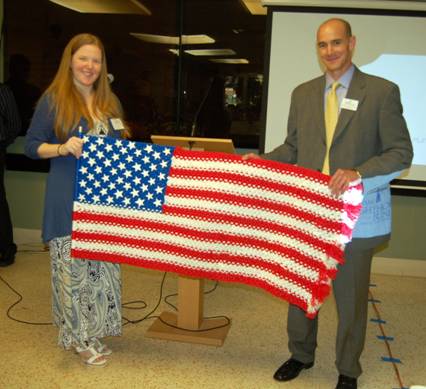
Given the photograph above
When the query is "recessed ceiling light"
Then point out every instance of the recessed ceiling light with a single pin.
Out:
(211, 52)
(174, 40)
(206, 53)
(255, 7)
(230, 60)
(105, 6)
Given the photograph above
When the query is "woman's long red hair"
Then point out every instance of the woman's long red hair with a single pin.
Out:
(67, 101)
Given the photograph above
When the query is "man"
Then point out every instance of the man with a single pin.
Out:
(367, 139)
(26, 94)
(10, 125)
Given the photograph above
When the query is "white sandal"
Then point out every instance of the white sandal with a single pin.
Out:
(90, 356)
(101, 348)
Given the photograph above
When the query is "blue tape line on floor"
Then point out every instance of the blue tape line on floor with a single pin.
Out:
(374, 301)
(381, 337)
(378, 321)
(389, 359)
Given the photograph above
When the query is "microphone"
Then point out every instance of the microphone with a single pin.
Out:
(194, 122)
(110, 77)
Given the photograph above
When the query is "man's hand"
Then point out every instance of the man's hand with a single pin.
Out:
(250, 156)
(341, 179)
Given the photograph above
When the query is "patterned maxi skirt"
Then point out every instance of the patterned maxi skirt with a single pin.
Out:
(86, 296)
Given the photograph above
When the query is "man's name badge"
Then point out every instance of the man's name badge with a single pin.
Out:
(117, 124)
(350, 104)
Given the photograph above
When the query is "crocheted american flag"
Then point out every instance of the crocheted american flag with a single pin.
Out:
(212, 215)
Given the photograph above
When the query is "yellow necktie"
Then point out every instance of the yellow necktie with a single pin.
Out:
(331, 115)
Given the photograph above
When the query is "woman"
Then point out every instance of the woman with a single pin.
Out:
(86, 294)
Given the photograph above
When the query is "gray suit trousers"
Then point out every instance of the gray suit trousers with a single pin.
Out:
(351, 293)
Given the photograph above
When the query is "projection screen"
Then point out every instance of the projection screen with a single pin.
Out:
(390, 46)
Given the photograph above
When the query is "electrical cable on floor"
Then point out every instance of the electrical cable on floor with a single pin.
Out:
(379, 322)
(20, 298)
(166, 298)
(127, 305)
(228, 320)
(147, 316)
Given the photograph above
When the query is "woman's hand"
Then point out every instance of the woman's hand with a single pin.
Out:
(73, 145)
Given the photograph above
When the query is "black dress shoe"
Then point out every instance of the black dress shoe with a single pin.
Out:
(346, 382)
(291, 369)
(8, 256)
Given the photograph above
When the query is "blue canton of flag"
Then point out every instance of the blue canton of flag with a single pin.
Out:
(122, 173)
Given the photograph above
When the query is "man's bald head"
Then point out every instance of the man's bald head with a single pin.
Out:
(347, 26)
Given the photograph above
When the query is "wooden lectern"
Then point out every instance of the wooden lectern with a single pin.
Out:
(190, 290)
(193, 143)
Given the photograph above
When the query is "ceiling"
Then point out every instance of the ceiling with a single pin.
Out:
(228, 22)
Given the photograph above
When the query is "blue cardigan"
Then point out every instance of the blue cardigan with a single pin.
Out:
(58, 202)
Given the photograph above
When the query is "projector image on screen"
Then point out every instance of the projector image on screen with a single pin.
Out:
(388, 46)
(408, 72)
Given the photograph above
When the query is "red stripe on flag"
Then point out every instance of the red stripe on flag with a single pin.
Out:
(253, 203)
(253, 182)
(198, 273)
(273, 166)
(209, 256)
(173, 229)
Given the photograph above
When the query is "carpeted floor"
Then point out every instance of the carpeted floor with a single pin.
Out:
(254, 348)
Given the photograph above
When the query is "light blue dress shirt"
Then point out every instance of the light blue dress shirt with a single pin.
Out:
(376, 213)
(342, 90)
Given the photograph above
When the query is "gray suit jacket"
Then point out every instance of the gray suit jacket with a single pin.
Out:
(374, 139)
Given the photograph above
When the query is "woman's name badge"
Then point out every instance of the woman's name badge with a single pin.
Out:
(117, 124)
